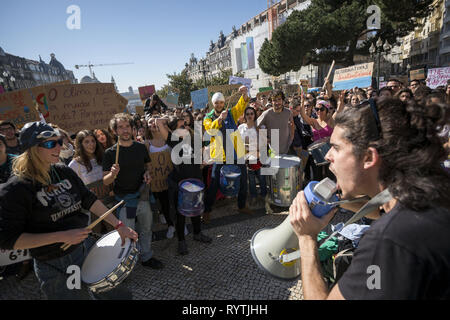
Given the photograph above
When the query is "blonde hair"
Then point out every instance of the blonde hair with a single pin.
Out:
(29, 166)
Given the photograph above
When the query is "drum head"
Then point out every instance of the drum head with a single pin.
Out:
(285, 161)
(192, 185)
(105, 256)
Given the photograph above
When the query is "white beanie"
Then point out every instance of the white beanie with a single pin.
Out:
(218, 96)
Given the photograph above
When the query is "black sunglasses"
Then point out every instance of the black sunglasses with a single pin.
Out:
(51, 144)
(320, 109)
(250, 114)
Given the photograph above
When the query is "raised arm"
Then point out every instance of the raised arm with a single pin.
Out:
(305, 117)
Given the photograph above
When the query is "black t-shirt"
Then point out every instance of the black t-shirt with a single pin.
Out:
(32, 208)
(132, 161)
(17, 150)
(409, 250)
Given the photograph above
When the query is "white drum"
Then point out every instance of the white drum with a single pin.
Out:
(108, 263)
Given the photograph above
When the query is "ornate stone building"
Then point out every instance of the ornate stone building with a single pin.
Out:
(19, 73)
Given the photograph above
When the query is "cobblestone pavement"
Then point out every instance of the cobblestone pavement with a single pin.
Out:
(222, 270)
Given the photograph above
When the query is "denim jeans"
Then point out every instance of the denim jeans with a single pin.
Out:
(252, 176)
(211, 192)
(52, 276)
(143, 227)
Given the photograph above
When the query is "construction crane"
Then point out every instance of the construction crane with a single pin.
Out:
(78, 66)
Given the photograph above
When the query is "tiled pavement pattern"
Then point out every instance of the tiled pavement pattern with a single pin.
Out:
(222, 270)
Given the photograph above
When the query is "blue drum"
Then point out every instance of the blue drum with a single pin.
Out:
(230, 177)
(190, 197)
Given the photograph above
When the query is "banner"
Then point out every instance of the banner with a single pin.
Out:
(18, 107)
(244, 56)
(229, 91)
(265, 89)
(355, 76)
(146, 92)
(199, 98)
(243, 81)
(250, 53)
(160, 169)
(88, 106)
(418, 74)
(438, 77)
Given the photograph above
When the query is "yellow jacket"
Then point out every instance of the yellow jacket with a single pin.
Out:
(213, 126)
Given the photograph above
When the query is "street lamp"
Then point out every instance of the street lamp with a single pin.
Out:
(204, 70)
(378, 50)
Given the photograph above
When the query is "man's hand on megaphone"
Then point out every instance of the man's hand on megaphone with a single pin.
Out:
(303, 221)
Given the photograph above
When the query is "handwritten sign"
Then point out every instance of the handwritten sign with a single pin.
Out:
(242, 81)
(355, 76)
(38, 94)
(146, 92)
(160, 169)
(418, 74)
(76, 107)
(102, 192)
(229, 91)
(199, 98)
(438, 77)
(18, 107)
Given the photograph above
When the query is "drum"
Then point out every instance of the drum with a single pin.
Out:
(318, 150)
(286, 180)
(190, 197)
(230, 178)
(108, 263)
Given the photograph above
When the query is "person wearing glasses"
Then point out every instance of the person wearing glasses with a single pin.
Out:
(405, 254)
(395, 85)
(41, 209)
(8, 129)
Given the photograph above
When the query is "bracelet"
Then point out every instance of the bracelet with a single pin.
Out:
(120, 224)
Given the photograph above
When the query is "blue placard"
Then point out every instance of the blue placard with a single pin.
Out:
(199, 98)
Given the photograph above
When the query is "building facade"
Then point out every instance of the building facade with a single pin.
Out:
(20, 73)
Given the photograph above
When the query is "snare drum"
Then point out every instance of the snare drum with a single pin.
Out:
(286, 179)
(108, 263)
(190, 197)
(318, 150)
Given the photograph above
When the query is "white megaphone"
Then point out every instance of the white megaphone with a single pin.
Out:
(275, 250)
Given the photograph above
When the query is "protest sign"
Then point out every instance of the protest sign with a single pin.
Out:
(265, 89)
(38, 94)
(355, 76)
(18, 107)
(146, 92)
(418, 74)
(438, 77)
(123, 102)
(172, 97)
(140, 110)
(76, 107)
(243, 81)
(290, 89)
(383, 84)
(160, 169)
(199, 98)
(101, 191)
(229, 91)
(304, 84)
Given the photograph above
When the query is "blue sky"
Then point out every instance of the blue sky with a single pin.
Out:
(158, 36)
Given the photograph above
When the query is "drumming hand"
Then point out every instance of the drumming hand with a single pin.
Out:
(74, 236)
(303, 221)
(115, 169)
(126, 232)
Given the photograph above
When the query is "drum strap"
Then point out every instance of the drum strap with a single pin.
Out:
(374, 203)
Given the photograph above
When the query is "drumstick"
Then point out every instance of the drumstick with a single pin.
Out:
(329, 73)
(93, 224)
(117, 151)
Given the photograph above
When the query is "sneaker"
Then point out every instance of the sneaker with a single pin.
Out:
(202, 238)
(182, 247)
(162, 219)
(153, 263)
(170, 232)
(186, 231)
(246, 210)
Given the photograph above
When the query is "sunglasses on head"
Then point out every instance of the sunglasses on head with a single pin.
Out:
(51, 144)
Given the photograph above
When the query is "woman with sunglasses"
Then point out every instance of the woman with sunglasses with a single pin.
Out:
(249, 134)
(322, 127)
(40, 210)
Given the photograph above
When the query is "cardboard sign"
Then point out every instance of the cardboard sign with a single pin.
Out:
(355, 76)
(101, 191)
(140, 110)
(161, 167)
(290, 89)
(229, 91)
(146, 92)
(242, 81)
(123, 102)
(88, 106)
(18, 107)
(199, 98)
(38, 94)
(438, 77)
(418, 74)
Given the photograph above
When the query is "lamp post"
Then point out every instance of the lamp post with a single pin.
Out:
(204, 70)
(378, 50)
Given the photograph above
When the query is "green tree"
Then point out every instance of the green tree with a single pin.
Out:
(163, 92)
(330, 29)
(183, 83)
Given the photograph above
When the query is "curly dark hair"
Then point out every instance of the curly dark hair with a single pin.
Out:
(408, 145)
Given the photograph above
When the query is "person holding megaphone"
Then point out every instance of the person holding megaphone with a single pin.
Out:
(387, 147)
